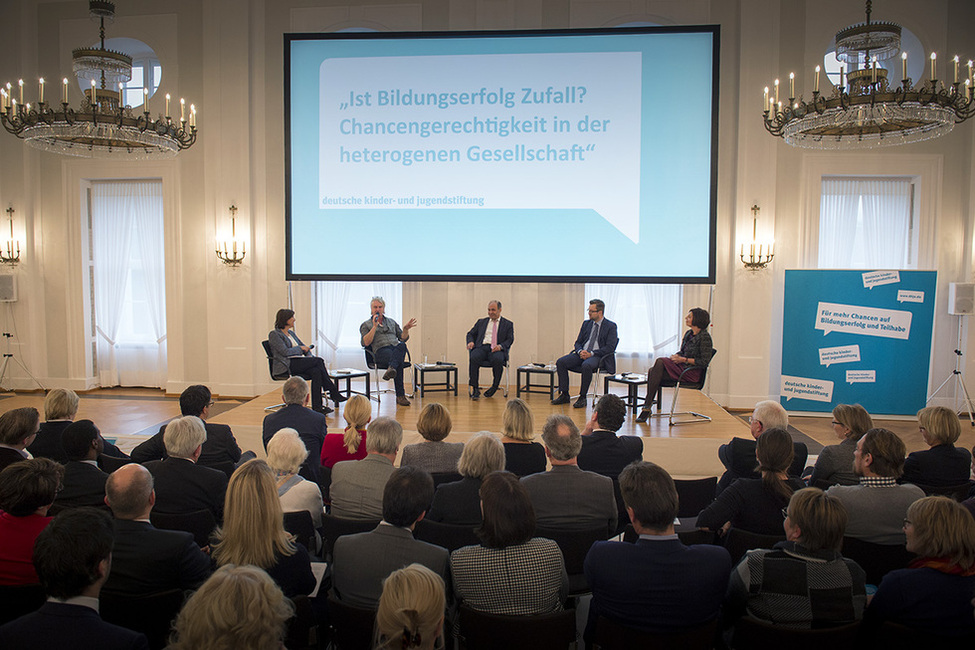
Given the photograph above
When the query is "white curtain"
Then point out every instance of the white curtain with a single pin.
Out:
(332, 299)
(664, 313)
(886, 222)
(839, 206)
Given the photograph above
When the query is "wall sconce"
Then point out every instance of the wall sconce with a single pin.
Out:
(10, 252)
(759, 253)
(232, 252)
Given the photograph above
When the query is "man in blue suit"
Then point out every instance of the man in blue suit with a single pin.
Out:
(594, 348)
(489, 340)
(311, 425)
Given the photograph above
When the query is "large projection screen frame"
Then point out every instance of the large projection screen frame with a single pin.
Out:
(589, 263)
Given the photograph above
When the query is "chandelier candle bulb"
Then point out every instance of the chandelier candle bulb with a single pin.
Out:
(841, 78)
(21, 84)
(145, 100)
(792, 85)
(776, 91)
(955, 66)
(192, 116)
(765, 101)
(904, 65)
(816, 89)
(970, 71)
(182, 109)
(40, 91)
(873, 71)
(167, 105)
(934, 58)
(64, 90)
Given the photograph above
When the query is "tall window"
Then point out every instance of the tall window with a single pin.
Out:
(648, 317)
(867, 223)
(340, 308)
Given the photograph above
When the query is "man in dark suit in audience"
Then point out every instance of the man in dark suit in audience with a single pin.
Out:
(603, 451)
(84, 483)
(363, 561)
(489, 340)
(738, 456)
(60, 409)
(73, 557)
(145, 559)
(310, 425)
(567, 497)
(220, 447)
(657, 584)
(182, 486)
(18, 428)
(595, 348)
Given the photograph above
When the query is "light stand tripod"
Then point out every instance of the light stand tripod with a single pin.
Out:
(7, 356)
(959, 378)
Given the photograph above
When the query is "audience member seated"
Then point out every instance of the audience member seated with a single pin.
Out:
(878, 505)
(285, 454)
(433, 454)
(27, 490)
(656, 584)
(603, 451)
(60, 409)
(73, 556)
(738, 456)
(566, 497)
(351, 444)
(18, 428)
(522, 456)
(312, 426)
(835, 462)
(145, 559)
(803, 582)
(253, 531)
(934, 594)
(84, 483)
(943, 465)
(411, 610)
(357, 485)
(510, 572)
(755, 504)
(220, 446)
(181, 485)
(238, 607)
(459, 503)
(361, 562)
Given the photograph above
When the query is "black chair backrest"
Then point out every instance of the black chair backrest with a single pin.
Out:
(17, 600)
(894, 636)
(483, 631)
(352, 627)
(449, 536)
(300, 524)
(957, 492)
(270, 362)
(224, 466)
(370, 359)
(334, 527)
(738, 542)
(574, 544)
(200, 523)
(152, 614)
(695, 495)
(753, 634)
(109, 464)
(300, 626)
(611, 635)
(876, 560)
(444, 477)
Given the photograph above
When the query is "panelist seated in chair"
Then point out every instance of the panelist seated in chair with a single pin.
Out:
(489, 341)
(289, 356)
(595, 348)
(695, 354)
(387, 342)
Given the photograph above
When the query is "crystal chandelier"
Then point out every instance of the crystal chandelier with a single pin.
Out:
(864, 110)
(102, 126)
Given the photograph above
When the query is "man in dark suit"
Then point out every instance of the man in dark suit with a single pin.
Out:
(18, 428)
(657, 584)
(363, 561)
(602, 450)
(60, 409)
(594, 348)
(182, 486)
(84, 483)
(73, 556)
(310, 425)
(567, 497)
(145, 559)
(489, 340)
(738, 456)
(220, 447)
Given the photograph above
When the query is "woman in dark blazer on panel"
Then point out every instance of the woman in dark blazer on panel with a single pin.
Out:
(289, 356)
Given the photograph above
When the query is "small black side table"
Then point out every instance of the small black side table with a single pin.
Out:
(633, 383)
(528, 371)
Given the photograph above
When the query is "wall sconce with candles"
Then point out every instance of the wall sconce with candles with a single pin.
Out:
(760, 253)
(10, 252)
(232, 252)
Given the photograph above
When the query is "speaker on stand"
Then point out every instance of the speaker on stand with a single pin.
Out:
(961, 302)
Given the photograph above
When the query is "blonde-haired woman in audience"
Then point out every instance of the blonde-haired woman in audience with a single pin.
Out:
(253, 531)
(285, 454)
(523, 457)
(411, 610)
(459, 503)
(943, 464)
(433, 454)
(238, 608)
(835, 463)
(351, 443)
(934, 593)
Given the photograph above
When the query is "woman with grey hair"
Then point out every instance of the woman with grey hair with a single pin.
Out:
(459, 503)
(285, 454)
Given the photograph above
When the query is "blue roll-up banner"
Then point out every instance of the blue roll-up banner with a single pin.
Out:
(857, 337)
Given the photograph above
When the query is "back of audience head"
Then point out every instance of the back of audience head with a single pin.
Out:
(434, 422)
(357, 413)
(60, 404)
(517, 421)
(561, 437)
(411, 609)
(815, 520)
(855, 418)
(29, 485)
(407, 495)
(384, 436)
(508, 515)
(295, 391)
(74, 551)
(610, 412)
(183, 436)
(194, 399)
(286, 451)
(937, 527)
(17, 426)
(482, 454)
(774, 451)
(769, 414)
(128, 491)
(237, 607)
(887, 452)
(649, 491)
(77, 439)
(940, 425)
